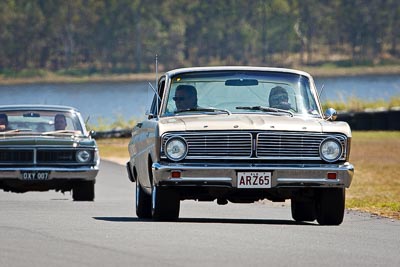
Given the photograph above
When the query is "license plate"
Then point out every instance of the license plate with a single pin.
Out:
(254, 179)
(35, 175)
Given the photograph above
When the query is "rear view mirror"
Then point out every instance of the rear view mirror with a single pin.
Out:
(31, 115)
(241, 82)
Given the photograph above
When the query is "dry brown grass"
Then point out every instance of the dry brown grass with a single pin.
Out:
(320, 71)
(351, 71)
(54, 78)
(113, 148)
(376, 183)
(375, 155)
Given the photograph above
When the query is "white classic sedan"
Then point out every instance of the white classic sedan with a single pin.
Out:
(240, 134)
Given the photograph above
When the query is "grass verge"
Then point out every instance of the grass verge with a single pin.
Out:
(375, 155)
(354, 104)
(376, 184)
(81, 76)
(52, 77)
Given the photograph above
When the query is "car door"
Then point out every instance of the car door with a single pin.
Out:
(145, 137)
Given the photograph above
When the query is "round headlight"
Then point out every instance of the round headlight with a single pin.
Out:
(176, 148)
(83, 156)
(330, 150)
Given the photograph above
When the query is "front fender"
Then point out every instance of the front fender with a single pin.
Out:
(131, 173)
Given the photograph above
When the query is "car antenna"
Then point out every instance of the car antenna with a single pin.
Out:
(155, 91)
(156, 69)
(320, 92)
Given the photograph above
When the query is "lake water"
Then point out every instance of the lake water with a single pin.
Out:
(369, 88)
(129, 100)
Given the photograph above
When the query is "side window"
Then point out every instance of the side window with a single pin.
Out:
(309, 104)
(153, 109)
(160, 88)
(156, 103)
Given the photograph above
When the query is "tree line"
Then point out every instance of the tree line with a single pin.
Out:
(119, 36)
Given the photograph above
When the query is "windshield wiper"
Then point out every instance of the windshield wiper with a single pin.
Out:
(204, 110)
(65, 132)
(267, 109)
(17, 131)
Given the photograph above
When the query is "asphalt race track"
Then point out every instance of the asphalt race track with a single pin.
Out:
(49, 229)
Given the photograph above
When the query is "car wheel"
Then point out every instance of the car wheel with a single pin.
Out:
(303, 210)
(165, 204)
(330, 206)
(143, 202)
(83, 191)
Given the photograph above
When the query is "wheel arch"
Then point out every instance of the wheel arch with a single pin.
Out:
(150, 168)
(132, 173)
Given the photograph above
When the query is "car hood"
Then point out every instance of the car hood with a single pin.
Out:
(27, 140)
(251, 122)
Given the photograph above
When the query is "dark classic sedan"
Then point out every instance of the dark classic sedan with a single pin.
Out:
(47, 148)
(240, 134)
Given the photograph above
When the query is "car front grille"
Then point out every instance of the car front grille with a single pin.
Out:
(21, 156)
(293, 145)
(230, 145)
(38, 156)
(261, 145)
(59, 156)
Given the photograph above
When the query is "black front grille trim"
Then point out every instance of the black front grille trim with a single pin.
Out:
(16, 156)
(42, 156)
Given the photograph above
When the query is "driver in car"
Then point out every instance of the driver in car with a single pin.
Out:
(278, 98)
(3, 122)
(185, 97)
(60, 123)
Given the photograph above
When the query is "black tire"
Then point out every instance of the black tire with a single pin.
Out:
(143, 202)
(83, 191)
(330, 206)
(165, 204)
(303, 210)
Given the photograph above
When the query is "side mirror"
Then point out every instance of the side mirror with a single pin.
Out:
(330, 114)
(92, 134)
(149, 115)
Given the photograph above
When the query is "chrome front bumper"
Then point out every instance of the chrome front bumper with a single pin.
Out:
(283, 175)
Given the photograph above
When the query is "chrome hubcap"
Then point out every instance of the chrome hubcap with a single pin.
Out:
(153, 197)
(137, 194)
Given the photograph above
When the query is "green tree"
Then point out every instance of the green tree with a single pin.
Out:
(125, 35)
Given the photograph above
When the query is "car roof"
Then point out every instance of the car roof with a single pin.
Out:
(235, 68)
(37, 107)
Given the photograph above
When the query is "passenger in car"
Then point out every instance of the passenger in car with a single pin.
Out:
(278, 98)
(60, 122)
(3, 122)
(185, 97)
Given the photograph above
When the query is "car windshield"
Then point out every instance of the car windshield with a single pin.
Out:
(230, 92)
(38, 121)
